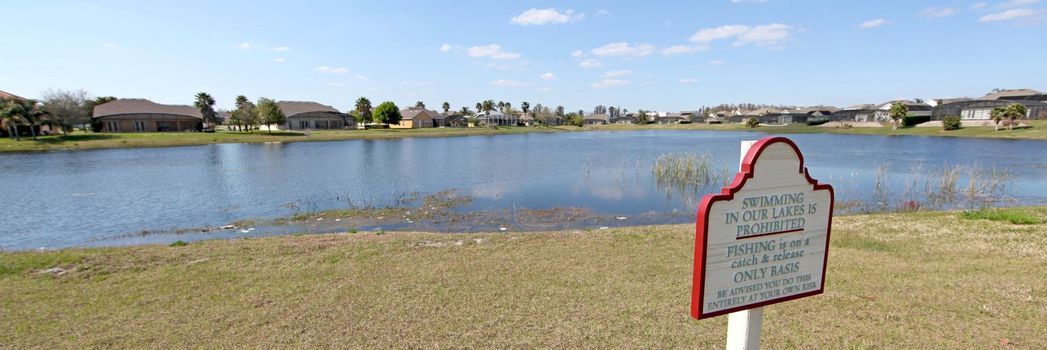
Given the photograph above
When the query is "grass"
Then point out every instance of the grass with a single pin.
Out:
(911, 280)
(127, 140)
(1012, 216)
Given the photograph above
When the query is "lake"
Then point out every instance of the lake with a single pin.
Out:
(109, 197)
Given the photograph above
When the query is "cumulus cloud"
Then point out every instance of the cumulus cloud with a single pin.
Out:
(590, 63)
(577, 53)
(332, 70)
(445, 47)
(608, 83)
(761, 35)
(1007, 15)
(244, 45)
(682, 49)
(546, 16)
(689, 81)
(548, 76)
(938, 12)
(493, 51)
(508, 83)
(616, 73)
(623, 49)
(872, 23)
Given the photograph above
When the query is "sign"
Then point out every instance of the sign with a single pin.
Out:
(765, 238)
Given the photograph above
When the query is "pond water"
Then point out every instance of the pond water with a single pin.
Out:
(107, 197)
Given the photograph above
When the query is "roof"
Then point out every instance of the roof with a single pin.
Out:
(143, 106)
(860, 107)
(4, 94)
(603, 117)
(913, 106)
(291, 108)
(1010, 93)
(766, 111)
(411, 113)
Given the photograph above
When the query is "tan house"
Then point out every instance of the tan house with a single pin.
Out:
(414, 118)
(141, 115)
(596, 119)
(305, 115)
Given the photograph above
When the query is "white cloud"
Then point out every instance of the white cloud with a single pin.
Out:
(445, 47)
(872, 23)
(716, 62)
(508, 83)
(281, 49)
(361, 77)
(617, 73)
(417, 82)
(493, 51)
(244, 45)
(590, 63)
(332, 70)
(623, 49)
(689, 81)
(602, 12)
(548, 76)
(938, 12)
(979, 5)
(279, 59)
(608, 83)
(761, 35)
(682, 49)
(577, 53)
(1013, 3)
(1007, 15)
(546, 16)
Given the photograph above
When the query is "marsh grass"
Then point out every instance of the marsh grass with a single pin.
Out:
(686, 173)
(941, 188)
(915, 281)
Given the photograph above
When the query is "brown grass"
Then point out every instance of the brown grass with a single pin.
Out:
(914, 280)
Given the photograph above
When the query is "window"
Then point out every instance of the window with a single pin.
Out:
(112, 126)
(139, 125)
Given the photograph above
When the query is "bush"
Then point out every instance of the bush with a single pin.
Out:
(911, 120)
(179, 243)
(951, 123)
(752, 122)
(816, 122)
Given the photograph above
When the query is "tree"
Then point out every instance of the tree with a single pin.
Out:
(1015, 111)
(269, 113)
(447, 107)
(559, 111)
(599, 109)
(479, 107)
(363, 110)
(501, 105)
(465, 111)
(244, 114)
(205, 103)
(998, 114)
(641, 117)
(419, 104)
(575, 119)
(487, 106)
(67, 108)
(14, 112)
(525, 107)
(951, 122)
(387, 113)
(898, 111)
(96, 125)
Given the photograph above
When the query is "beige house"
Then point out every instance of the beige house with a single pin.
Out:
(305, 115)
(414, 118)
(141, 115)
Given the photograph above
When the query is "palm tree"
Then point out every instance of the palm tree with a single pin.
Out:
(24, 112)
(525, 107)
(1015, 111)
(997, 115)
(10, 117)
(898, 111)
(479, 107)
(447, 107)
(363, 110)
(501, 105)
(205, 103)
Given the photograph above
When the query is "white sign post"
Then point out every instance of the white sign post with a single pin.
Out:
(763, 240)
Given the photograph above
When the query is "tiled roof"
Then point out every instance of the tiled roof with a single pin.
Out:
(143, 106)
(291, 108)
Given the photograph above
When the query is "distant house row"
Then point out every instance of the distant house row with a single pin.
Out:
(141, 115)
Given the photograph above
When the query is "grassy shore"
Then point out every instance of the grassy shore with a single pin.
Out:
(1038, 131)
(913, 280)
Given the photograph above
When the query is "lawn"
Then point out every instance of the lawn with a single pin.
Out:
(911, 280)
(124, 140)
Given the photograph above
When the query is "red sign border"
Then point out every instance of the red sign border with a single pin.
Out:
(702, 228)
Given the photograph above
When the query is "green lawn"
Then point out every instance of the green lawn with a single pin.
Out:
(123, 140)
(894, 281)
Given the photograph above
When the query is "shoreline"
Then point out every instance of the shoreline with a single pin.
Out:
(622, 287)
(86, 141)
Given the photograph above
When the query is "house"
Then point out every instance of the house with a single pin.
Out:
(24, 130)
(981, 109)
(526, 119)
(307, 115)
(916, 109)
(1016, 95)
(415, 118)
(856, 113)
(450, 120)
(497, 118)
(141, 115)
(671, 118)
(623, 119)
(596, 119)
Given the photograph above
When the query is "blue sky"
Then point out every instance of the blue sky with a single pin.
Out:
(664, 56)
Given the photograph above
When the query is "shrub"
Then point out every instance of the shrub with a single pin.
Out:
(752, 123)
(1005, 215)
(951, 122)
(179, 243)
(911, 120)
(817, 122)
